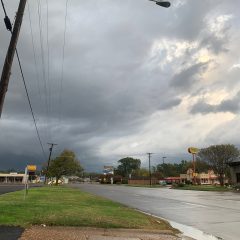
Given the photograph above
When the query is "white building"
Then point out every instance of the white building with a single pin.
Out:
(11, 178)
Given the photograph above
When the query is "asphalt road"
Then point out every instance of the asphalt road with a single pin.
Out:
(215, 213)
(10, 188)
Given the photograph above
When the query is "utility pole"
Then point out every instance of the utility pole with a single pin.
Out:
(150, 173)
(6, 72)
(49, 159)
(194, 169)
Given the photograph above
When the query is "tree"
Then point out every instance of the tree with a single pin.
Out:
(127, 166)
(141, 172)
(64, 165)
(218, 157)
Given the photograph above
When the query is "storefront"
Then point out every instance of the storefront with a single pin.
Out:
(11, 178)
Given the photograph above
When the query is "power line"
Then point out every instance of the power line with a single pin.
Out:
(23, 78)
(48, 70)
(34, 52)
(63, 60)
(29, 102)
(39, 11)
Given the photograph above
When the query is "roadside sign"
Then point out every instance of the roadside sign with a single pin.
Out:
(193, 150)
(31, 168)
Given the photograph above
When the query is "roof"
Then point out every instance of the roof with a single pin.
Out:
(11, 175)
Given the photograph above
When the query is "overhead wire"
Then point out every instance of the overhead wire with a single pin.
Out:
(63, 61)
(26, 89)
(48, 71)
(39, 12)
(34, 52)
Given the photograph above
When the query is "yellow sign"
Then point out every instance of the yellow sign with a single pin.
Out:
(31, 168)
(193, 150)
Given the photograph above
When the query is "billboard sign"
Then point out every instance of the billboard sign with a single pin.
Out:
(108, 170)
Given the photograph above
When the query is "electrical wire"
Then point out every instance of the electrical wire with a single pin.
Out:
(63, 60)
(26, 90)
(4, 9)
(29, 102)
(34, 52)
(43, 64)
(48, 72)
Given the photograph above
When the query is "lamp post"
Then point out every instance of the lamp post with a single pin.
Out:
(160, 3)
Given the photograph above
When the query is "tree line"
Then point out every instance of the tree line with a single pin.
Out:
(215, 157)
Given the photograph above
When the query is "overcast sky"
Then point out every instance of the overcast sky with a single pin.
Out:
(136, 78)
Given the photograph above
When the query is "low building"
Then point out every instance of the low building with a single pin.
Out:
(235, 171)
(12, 178)
(171, 180)
(209, 178)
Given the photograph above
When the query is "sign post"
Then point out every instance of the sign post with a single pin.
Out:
(29, 168)
(193, 151)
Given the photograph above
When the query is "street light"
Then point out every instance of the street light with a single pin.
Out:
(165, 4)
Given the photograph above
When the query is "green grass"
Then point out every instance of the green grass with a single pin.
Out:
(60, 206)
(204, 188)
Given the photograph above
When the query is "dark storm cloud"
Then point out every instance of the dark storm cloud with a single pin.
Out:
(110, 86)
(230, 105)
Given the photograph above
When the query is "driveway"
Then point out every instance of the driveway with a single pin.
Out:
(5, 188)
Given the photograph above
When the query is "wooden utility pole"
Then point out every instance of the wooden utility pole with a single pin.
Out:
(6, 72)
(49, 159)
(150, 172)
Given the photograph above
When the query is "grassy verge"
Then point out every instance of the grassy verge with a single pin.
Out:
(59, 206)
(204, 188)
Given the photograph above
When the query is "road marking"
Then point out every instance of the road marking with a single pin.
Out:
(194, 204)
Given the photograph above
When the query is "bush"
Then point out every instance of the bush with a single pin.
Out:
(188, 182)
(125, 181)
(180, 185)
(236, 187)
(174, 185)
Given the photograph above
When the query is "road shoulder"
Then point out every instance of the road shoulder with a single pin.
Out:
(78, 233)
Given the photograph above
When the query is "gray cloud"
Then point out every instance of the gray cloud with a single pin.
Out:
(111, 86)
(188, 76)
(230, 105)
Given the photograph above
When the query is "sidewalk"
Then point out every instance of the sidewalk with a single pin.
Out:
(76, 233)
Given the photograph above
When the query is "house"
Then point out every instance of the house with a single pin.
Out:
(235, 171)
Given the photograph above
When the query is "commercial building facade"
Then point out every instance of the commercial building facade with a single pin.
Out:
(209, 178)
(11, 178)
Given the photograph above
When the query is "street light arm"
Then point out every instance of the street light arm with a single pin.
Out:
(162, 3)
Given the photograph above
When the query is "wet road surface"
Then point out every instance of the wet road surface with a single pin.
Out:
(10, 188)
(216, 213)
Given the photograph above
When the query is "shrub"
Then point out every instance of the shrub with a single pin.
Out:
(180, 185)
